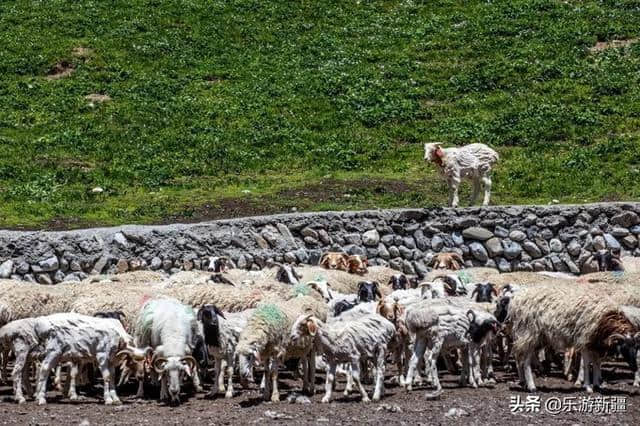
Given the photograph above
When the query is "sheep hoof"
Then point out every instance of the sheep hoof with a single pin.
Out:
(325, 399)
(366, 399)
(636, 384)
(21, 400)
(589, 389)
(42, 401)
(108, 402)
(275, 397)
(73, 397)
(228, 394)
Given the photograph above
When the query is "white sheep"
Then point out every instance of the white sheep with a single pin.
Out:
(170, 328)
(74, 337)
(221, 332)
(362, 339)
(437, 325)
(19, 336)
(266, 340)
(473, 161)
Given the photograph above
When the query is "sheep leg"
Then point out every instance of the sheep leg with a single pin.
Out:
(586, 360)
(454, 184)
(5, 362)
(164, 393)
(312, 373)
(49, 362)
(435, 353)
(528, 374)
(355, 371)
(57, 379)
(229, 369)
(266, 378)
(17, 375)
(581, 372)
(486, 182)
(275, 395)
(112, 385)
(196, 380)
(305, 374)
(103, 365)
(597, 372)
(349, 386)
(328, 387)
(476, 189)
(140, 391)
(379, 389)
(419, 347)
(73, 373)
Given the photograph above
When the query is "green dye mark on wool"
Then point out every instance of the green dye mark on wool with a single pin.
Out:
(301, 290)
(270, 313)
(465, 277)
(320, 278)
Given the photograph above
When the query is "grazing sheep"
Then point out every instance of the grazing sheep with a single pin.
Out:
(19, 336)
(362, 339)
(344, 282)
(135, 362)
(266, 340)
(77, 338)
(562, 318)
(221, 333)
(438, 325)
(170, 328)
(473, 161)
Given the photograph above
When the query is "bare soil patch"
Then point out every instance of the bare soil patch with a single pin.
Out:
(478, 406)
(98, 98)
(613, 44)
(60, 70)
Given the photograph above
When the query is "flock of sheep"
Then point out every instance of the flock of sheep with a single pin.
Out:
(342, 318)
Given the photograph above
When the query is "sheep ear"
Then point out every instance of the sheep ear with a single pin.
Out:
(219, 312)
(311, 326)
(438, 152)
(323, 259)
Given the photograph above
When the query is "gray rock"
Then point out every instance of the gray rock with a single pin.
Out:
(309, 241)
(599, 242)
(437, 243)
(394, 252)
(478, 251)
(517, 236)
(421, 269)
(494, 247)
(353, 239)
(6, 268)
(556, 245)
(629, 241)
(396, 263)
(387, 240)
(625, 219)
(635, 229)
(286, 234)
(558, 264)
(302, 255)
(504, 265)
(457, 238)
(49, 265)
(324, 237)
(75, 266)
(543, 245)
(532, 249)
(122, 266)
(501, 232)
(538, 266)
(409, 242)
(21, 267)
(573, 268)
(612, 243)
(371, 238)
(308, 232)
(29, 278)
(512, 249)
(353, 249)
(546, 233)
(383, 252)
(407, 267)
(58, 277)
(619, 232)
(44, 279)
(574, 248)
(405, 252)
(589, 267)
(156, 263)
(477, 233)
(120, 240)
(167, 264)
(289, 257)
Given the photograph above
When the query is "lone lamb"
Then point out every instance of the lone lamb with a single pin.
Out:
(473, 161)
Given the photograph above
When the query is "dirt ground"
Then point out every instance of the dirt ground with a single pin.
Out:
(471, 406)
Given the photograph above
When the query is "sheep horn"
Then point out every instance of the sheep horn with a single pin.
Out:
(193, 364)
(616, 336)
(123, 354)
(155, 361)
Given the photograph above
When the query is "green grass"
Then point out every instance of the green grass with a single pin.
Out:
(216, 102)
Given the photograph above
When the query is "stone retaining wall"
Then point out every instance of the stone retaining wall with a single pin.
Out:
(511, 238)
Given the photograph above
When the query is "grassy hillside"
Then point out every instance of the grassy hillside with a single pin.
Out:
(215, 108)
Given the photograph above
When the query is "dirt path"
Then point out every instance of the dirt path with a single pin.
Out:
(478, 406)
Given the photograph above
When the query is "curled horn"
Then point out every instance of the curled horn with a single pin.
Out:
(616, 336)
(471, 315)
(218, 311)
(475, 290)
(157, 362)
(191, 361)
(124, 354)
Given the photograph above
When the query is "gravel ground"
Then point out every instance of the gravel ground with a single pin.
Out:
(454, 406)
